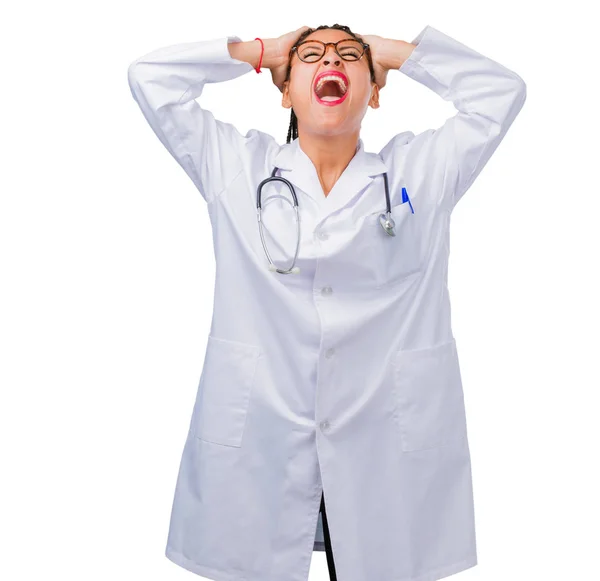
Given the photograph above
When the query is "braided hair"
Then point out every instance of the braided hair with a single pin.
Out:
(293, 128)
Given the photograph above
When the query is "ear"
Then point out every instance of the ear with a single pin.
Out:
(285, 99)
(374, 100)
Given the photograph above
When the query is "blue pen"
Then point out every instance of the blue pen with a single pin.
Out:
(405, 198)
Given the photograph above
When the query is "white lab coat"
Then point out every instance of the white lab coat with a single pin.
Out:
(343, 378)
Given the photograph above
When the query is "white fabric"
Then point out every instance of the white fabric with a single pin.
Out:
(345, 377)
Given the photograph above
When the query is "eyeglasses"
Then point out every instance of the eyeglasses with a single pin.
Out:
(312, 51)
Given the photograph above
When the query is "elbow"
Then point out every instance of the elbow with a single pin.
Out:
(523, 92)
(520, 89)
(521, 95)
(132, 71)
(135, 78)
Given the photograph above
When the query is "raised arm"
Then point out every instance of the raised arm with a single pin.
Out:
(165, 84)
(487, 96)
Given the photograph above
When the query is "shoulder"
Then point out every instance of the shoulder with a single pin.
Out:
(257, 151)
(259, 146)
(398, 144)
(417, 162)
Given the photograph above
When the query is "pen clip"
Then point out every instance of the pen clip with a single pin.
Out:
(405, 198)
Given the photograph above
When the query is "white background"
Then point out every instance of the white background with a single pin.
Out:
(107, 279)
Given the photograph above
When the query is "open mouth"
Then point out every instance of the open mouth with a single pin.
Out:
(331, 88)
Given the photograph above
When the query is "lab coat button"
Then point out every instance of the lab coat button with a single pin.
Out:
(326, 290)
(329, 353)
(324, 425)
(322, 235)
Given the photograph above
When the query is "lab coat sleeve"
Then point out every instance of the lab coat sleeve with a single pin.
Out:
(165, 84)
(487, 96)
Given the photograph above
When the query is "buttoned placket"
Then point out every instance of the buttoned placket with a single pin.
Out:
(325, 291)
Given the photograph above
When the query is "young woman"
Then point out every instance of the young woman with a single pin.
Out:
(331, 371)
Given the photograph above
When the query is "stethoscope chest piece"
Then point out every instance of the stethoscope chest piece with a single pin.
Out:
(387, 223)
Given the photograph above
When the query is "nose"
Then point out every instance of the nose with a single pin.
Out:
(330, 54)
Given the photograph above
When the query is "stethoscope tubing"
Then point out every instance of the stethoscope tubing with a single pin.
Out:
(386, 220)
(273, 177)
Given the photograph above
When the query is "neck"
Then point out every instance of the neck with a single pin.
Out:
(330, 155)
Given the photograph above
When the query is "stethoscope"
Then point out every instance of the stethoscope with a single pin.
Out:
(385, 218)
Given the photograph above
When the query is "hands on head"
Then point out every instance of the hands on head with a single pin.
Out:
(280, 48)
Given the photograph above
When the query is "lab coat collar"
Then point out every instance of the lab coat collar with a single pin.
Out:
(298, 168)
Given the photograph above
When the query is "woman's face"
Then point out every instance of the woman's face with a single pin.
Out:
(317, 116)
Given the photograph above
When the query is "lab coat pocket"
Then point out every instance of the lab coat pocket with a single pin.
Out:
(429, 399)
(395, 257)
(224, 391)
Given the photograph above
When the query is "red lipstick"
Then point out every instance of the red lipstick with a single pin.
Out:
(331, 102)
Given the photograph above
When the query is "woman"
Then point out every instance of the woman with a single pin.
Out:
(335, 375)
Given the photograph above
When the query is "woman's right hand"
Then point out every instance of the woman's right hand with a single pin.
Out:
(277, 54)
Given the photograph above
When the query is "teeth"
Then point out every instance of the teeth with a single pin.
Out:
(335, 78)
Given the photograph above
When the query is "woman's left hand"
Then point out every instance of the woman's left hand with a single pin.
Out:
(376, 44)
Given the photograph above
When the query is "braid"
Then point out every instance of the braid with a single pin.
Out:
(293, 127)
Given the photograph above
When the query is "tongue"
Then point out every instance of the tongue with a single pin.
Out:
(329, 98)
